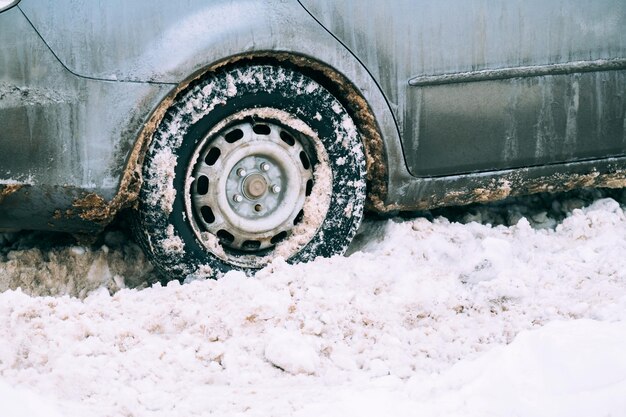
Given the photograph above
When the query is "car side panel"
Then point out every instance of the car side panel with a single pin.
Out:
(141, 40)
(60, 129)
(450, 127)
(513, 123)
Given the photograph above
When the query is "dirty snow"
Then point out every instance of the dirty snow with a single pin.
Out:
(55, 264)
(517, 308)
(173, 243)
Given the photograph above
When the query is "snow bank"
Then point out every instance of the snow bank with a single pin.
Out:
(565, 369)
(424, 318)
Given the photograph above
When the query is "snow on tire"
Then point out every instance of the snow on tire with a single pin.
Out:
(250, 164)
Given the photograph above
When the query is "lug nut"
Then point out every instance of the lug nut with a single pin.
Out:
(265, 166)
(238, 198)
(241, 172)
(275, 189)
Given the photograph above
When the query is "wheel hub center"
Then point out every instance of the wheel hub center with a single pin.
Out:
(254, 186)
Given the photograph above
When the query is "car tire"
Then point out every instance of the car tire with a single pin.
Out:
(249, 165)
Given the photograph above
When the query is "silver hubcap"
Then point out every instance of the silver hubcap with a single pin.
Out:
(249, 185)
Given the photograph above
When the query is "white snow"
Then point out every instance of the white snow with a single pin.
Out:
(17, 402)
(292, 352)
(423, 318)
(164, 193)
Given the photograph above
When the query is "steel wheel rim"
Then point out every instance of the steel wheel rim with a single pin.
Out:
(249, 183)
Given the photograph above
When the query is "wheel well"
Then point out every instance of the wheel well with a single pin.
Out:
(336, 83)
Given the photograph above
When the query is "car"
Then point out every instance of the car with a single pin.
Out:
(240, 132)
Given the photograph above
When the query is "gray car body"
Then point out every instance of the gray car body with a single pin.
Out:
(457, 101)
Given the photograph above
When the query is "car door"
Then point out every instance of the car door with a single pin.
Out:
(490, 85)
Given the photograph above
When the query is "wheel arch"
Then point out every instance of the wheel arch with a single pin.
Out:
(378, 153)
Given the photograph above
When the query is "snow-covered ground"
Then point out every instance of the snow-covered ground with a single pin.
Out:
(510, 309)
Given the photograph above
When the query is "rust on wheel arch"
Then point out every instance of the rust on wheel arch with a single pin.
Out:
(8, 189)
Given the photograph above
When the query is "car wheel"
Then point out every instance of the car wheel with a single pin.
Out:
(249, 165)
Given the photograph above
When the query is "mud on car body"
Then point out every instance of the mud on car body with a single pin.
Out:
(239, 132)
